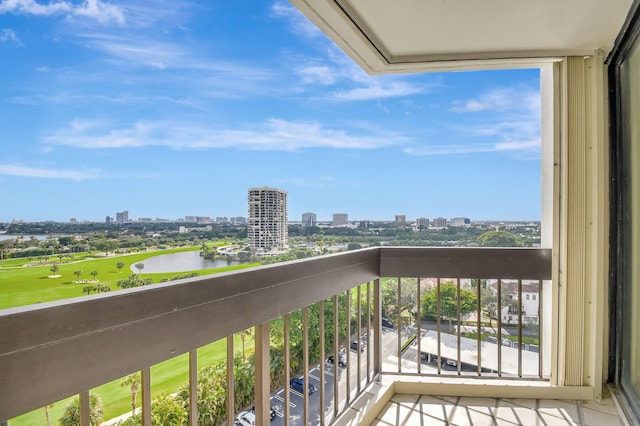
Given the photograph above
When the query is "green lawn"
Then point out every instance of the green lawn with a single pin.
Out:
(24, 285)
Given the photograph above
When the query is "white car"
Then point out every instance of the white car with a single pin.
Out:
(245, 418)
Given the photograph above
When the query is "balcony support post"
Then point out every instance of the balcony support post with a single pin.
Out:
(145, 375)
(336, 348)
(262, 380)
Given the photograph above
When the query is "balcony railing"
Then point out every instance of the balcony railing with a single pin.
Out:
(54, 350)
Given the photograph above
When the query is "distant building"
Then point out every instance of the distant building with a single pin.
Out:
(340, 219)
(309, 219)
(122, 216)
(401, 220)
(73, 220)
(267, 220)
(108, 219)
(238, 219)
(460, 221)
(422, 223)
(440, 222)
(190, 219)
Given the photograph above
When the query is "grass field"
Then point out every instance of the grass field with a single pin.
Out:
(24, 285)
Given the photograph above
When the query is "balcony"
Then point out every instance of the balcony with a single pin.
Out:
(72, 346)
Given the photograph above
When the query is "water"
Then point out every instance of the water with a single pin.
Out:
(4, 237)
(180, 262)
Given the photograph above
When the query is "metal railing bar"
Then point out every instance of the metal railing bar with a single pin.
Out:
(377, 327)
(322, 363)
(145, 375)
(305, 363)
(230, 381)
(85, 408)
(348, 319)
(499, 327)
(479, 325)
(287, 369)
(359, 321)
(438, 326)
(458, 334)
(193, 387)
(399, 331)
(336, 348)
(520, 301)
(540, 352)
(369, 371)
(419, 324)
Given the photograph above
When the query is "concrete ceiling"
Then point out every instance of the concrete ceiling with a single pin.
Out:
(385, 36)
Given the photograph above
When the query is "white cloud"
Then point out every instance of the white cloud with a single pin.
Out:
(298, 23)
(94, 9)
(391, 89)
(501, 99)
(273, 135)
(8, 35)
(36, 172)
(532, 146)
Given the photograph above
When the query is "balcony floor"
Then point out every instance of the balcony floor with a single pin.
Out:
(450, 410)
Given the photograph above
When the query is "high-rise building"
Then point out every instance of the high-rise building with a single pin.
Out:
(267, 220)
(401, 220)
(122, 216)
(439, 222)
(422, 223)
(308, 219)
(340, 219)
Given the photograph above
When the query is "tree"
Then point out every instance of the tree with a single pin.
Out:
(139, 266)
(71, 415)
(244, 334)
(93, 274)
(499, 239)
(47, 415)
(54, 268)
(133, 381)
(78, 273)
(448, 302)
(88, 289)
(120, 265)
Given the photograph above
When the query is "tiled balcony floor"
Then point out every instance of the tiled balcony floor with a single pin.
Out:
(419, 410)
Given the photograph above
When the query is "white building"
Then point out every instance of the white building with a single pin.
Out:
(267, 220)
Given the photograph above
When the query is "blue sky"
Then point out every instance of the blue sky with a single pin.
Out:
(175, 108)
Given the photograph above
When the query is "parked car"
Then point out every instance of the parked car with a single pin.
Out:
(342, 359)
(354, 345)
(245, 418)
(272, 412)
(387, 323)
(297, 384)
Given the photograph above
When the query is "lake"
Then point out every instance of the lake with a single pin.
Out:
(4, 237)
(180, 262)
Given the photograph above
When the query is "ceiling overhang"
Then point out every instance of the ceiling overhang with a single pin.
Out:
(385, 36)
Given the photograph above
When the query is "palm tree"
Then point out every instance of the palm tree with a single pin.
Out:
(139, 267)
(243, 334)
(46, 413)
(120, 265)
(71, 416)
(93, 274)
(78, 273)
(133, 381)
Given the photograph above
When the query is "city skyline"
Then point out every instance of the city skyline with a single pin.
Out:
(174, 109)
